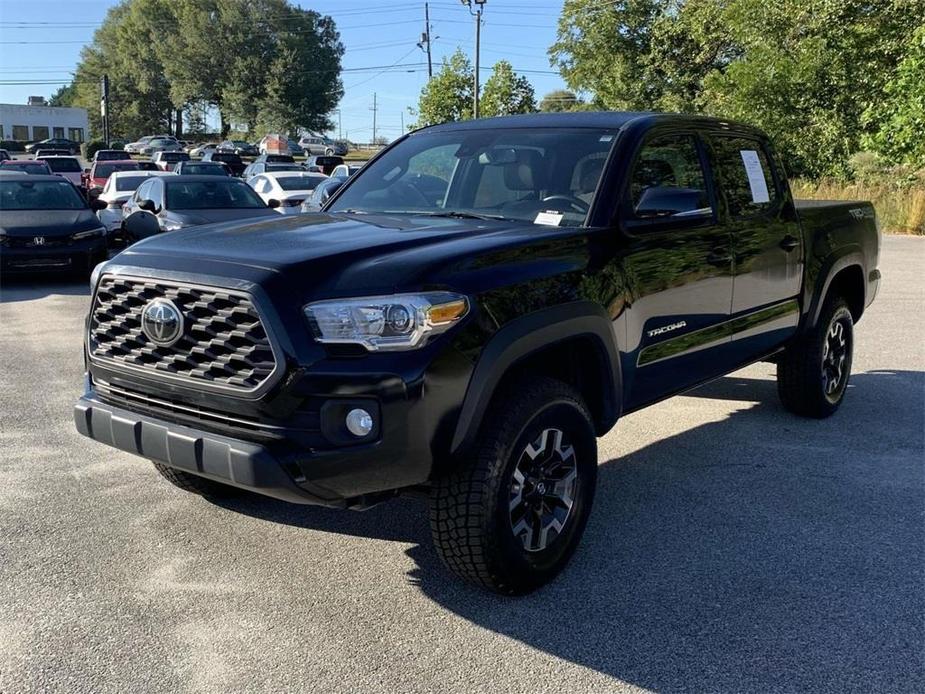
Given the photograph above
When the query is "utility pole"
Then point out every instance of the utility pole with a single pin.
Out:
(402, 122)
(104, 106)
(374, 109)
(339, 131)
(479, 6)
(426, 37)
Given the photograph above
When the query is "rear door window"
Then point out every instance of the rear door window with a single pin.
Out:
(745, 175)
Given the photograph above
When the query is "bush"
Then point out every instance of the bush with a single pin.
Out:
(117, 144)
(13, 145)
(88, 149)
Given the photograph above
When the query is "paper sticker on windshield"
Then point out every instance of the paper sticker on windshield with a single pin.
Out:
(548, 218)
(755, 173)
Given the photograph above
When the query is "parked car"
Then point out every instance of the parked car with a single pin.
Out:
(294, 149)
(118, 189)
(28, 166)
(4, 155)
(211, 168)
(316, 144)
(201, 149)
(168, 203)
(321, 193)
(66, 167)
(578, 266)
(240, 147)
(287, 188)
(95, 179)
(324, 164)
(232, 161)
(71, 146)
(45, 224)
(109, 155)
(345, 170)
(49, 152)
(166, 161)
(269, 158)
(135, 147)
(259, 167)
(160, 144)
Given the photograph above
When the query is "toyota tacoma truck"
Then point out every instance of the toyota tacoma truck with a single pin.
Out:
(468, 314)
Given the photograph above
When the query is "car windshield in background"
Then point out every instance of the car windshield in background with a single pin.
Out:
(205, 168)
(29, 167)
(104, 170)
(209, 195)
(223, 156)
(174, 156)
(299, 182)
(542, 175)
(39, 195)
(109, 155)
(284, 167)
(128, 183)
(63, 165)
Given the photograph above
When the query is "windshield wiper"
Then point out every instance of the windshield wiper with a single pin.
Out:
(461, 215)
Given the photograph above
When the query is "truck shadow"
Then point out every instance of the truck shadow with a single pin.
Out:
(31, 287)
(761, 552)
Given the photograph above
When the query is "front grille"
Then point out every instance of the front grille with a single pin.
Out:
(224, 343)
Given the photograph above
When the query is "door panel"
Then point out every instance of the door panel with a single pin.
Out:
(767, 243)
(678, 270)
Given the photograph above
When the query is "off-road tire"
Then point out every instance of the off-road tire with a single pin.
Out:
(801, 374)
(471, 514)
(195, 484)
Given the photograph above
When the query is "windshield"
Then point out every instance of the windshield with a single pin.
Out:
(39, 195)
(104, 155)
(299, 182)
(104, 170)
(283, 167)
(174, 156)
(63, 165)
(29, 167)
(210, 195)
(205, 168)
(128, 183)
(542, 175)
(230, 158)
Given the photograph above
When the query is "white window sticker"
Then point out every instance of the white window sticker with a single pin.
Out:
(755, 175)
(549, 218)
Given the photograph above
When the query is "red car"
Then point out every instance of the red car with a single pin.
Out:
(96, 178)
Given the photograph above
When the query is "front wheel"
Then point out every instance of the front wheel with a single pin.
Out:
(511, 515)
(329, 151)
(812, 375)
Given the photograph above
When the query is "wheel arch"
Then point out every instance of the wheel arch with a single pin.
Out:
(846, 275)
(574, 339)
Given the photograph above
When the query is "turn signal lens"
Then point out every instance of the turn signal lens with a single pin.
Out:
(448, 312)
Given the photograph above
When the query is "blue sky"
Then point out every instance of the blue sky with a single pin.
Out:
(40, 42)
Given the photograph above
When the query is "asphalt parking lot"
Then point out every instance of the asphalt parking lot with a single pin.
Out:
(732, 547)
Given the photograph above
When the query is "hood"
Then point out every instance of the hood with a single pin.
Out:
(323, 244)
(49, 223)
(198, 217)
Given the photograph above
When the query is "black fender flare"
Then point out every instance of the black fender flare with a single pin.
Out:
(527, 335)
(846, 257)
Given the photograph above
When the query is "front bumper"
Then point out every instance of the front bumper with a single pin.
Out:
(76, 256)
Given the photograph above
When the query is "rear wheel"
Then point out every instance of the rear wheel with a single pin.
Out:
(510, 517)
(812, 375)
(329, 151)
(194, 483)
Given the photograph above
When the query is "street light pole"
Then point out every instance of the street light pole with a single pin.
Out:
(479, 5)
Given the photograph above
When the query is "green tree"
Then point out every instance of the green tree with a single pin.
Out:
(506, 93)
(602, 48)
(64, 96)
(448, 95)
(898, 121)
(559, 100)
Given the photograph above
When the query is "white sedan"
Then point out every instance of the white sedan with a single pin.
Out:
(285, 190)
(118, 189)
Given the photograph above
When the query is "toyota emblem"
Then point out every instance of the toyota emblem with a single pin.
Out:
(162, 322)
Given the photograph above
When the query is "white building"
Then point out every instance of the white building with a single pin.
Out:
(33, 123)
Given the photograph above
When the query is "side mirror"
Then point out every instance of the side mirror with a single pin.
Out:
(96, 204)
(273, 204)
(148, 205)
(140, 225)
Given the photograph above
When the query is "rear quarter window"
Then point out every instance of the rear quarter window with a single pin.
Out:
(745, 175)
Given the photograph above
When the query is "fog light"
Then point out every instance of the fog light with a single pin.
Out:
(359, 422)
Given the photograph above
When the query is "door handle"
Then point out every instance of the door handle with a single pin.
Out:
(788, 243)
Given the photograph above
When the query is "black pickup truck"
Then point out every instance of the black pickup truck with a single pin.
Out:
(468, 314)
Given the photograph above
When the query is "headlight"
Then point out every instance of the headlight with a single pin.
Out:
(89, 234)
(386, 323)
